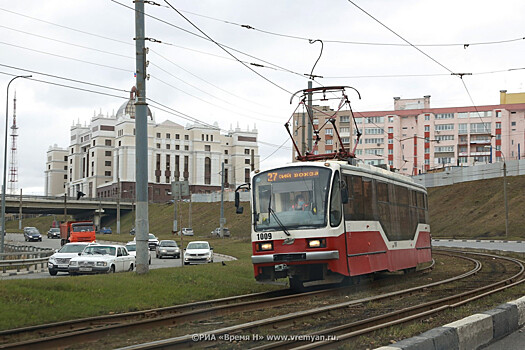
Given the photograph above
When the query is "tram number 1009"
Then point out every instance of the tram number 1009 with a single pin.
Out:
(264, 236)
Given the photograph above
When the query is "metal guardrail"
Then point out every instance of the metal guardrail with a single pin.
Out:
(69, 199)
(30, 256)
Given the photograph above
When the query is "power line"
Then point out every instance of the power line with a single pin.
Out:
(278, 148)
(66, 27)
(228, 52)
(250, 27)
(68, 86)
(66, 57)
(63, 78)
(399, 36)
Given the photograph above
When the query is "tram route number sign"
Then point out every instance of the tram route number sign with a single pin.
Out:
(292, 175)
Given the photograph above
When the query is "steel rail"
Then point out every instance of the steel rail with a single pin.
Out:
(91, 328)
(188, 341)
(354, 329)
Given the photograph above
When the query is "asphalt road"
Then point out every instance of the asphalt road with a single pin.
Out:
(55, 244)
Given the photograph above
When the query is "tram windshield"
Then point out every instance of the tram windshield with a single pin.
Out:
(294, 197)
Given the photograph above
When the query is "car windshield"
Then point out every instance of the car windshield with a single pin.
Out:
(168, 244)
(152, 236)
(82, 228)
(194, 245)
(72, 248)
(295, 197)
(54, 230)
(99, 250)
(32, 230)
(131, 247)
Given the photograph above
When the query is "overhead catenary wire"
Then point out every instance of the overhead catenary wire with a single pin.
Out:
(250, 27)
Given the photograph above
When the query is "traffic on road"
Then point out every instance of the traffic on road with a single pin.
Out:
(59, 265)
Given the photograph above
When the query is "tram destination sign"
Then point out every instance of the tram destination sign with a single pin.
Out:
(277, 176)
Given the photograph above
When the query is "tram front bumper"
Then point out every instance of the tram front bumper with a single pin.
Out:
(292, 257)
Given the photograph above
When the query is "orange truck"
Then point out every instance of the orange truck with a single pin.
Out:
(77, 231)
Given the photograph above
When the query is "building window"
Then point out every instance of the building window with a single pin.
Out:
(108, 153)
(65, 177)
(107, 163)
(498, 114)
(374, 120)
(207, 170)
(226, 161)
(186, 148)
(158, 145)
(207, 148)
(246, 151)
(225, 151)
(168, 146)
(177, 147)
(107, 173)
(186, 137)
(202, 137)
(513, 124)
(373, 131)
(177, 137)
(390, 119)
(246, 175)
(168, 136)
(444, 116)
(498, 126)
(329, 131)
(107, 142)
(344, 119)
(247, 161)
(329, 142)
(443, 127)
(427, 116)
(158, 135)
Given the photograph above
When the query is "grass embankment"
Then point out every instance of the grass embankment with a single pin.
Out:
(476, 209)
(28, 302)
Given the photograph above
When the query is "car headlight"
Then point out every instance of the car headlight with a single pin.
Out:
(73, 263)
(163, 250)
(102, 263)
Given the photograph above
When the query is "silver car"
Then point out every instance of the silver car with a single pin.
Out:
(167, 248)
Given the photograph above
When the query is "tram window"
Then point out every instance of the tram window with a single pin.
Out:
(349, 206)
(335, 202)
(368, 199)
(382, 192)
(358, 198)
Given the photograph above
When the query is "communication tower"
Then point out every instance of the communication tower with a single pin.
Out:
(13, 163)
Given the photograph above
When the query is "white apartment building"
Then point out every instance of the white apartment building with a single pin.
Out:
(103, 153)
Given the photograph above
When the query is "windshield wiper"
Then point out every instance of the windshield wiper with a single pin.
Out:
(271, 211)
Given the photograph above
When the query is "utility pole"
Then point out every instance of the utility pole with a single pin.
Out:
(505, 199)
(20, 212)
(222, 220)
(141, 143)
(118, 194)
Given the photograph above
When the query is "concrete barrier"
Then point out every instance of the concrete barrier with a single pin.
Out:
(471, 332)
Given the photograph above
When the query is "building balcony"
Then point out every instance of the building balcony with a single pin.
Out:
(480, 142)
(481, 132)
(463, 154)
(473, 154)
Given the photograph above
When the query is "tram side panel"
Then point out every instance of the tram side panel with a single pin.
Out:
(386, 226)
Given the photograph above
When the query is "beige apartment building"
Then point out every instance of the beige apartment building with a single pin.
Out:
(414, 138)
(102, 154)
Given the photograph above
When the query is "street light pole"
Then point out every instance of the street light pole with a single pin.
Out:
(504, 191)
(5, 159)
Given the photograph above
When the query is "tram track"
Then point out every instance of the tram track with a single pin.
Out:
(76, 331)
(88, 329)
(351, 329)
(92, 328)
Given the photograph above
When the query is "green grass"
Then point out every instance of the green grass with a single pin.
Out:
(54, 299)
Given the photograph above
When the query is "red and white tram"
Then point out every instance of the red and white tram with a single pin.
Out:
(355, 220)
(328, 217)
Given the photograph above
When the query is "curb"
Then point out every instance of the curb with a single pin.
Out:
(475, 240)
(470, 332)
(14, 273)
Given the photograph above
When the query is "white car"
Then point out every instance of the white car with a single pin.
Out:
(132, 250)
(153, 241)
(186, 231)
(59, 262)
(198, 252)
(102, 259)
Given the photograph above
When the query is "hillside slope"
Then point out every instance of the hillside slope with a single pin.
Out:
(464, 210)
(476, 209)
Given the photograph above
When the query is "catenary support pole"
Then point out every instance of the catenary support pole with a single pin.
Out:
(221, 221)
(141, 144)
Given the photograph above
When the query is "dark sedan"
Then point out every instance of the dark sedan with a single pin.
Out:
(54, 232)
(32, 234)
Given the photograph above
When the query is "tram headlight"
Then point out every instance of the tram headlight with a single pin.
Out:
(317, 243)
(264, 246)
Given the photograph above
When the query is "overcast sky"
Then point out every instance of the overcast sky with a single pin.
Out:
(92, 41)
